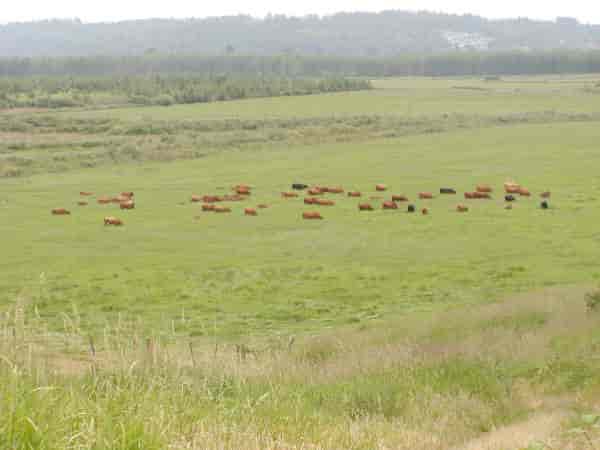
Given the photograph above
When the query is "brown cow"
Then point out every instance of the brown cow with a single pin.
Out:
(289, 195)
(425, 195)
(312, 215)
(399, 198)
(86, 194)
(196, 199)
(425, 211)
(315, 191)
(354, 194)
(250, 212)
(365, 207)
(82, 203)
(462, 208)
(243, 190)
(208, 207)
(211, 199)
(113, 221)
(222, 209)
(524, 192)
(380, 187)
(119, 199)
(104, 200)
(335, 190)
(310, 201)
(389, 205)
(477, 195)
(262, 206)
(483, 188)
(546, 194)
(60, 212)
(511, 188)
(324, 202)
(129, 204)
(127, 194)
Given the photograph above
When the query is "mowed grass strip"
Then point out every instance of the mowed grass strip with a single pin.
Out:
(235, 275)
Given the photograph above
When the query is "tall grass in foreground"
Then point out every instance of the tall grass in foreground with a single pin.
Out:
(419, 383)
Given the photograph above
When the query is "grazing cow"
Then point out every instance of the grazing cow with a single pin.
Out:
(221, 209)
(425, 211)
(262, 206)
(447, 191)
(211, 199)
(477, 195)
(299, 186)
(242, 190)
(512, 188)
(399, 198)
(86, 194)
(389, 205)
(113, 221)
(104, 200)
(82, 203)
(483, 188)
(510, 198)
(312, 216)
(250, 212)
(127, 194)
(243, 187)
(289, 195)
(365, 207)
(380, 187)
(524, 192)
(545, 205)
(60, 212)
(310, 201)
(425, 195)
(462, 208)
(335, 190)
(208, 207)
(324, 202)
(129, 204)
(315, 191)
(196, 199)
(411, 209)
(546, 194)
(354, 194)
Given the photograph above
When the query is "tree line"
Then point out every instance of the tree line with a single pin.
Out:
(264, 69)
(73, 91)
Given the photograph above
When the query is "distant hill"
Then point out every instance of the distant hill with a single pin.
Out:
(385, 34)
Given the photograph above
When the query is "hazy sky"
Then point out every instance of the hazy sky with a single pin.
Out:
(112, 10)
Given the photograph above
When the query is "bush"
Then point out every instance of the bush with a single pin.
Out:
(592, 300)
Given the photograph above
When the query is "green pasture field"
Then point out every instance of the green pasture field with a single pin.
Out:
(188, 330)
(407, 97)
(176, 267)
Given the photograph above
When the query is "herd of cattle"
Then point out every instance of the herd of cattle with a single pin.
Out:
(316, 197)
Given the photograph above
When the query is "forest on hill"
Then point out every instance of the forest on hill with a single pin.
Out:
(385, 34)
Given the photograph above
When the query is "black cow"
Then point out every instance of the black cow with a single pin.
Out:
(545, 205)
(411, 208)
(510, 198)
(447, 191)
(299, 186)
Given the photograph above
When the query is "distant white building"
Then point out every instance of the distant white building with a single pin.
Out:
(467, 41)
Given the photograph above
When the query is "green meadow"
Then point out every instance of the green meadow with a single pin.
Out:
(363, 287)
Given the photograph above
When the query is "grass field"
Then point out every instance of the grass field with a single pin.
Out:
(357, 293)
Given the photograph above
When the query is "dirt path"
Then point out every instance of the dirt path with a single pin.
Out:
(538, 428)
